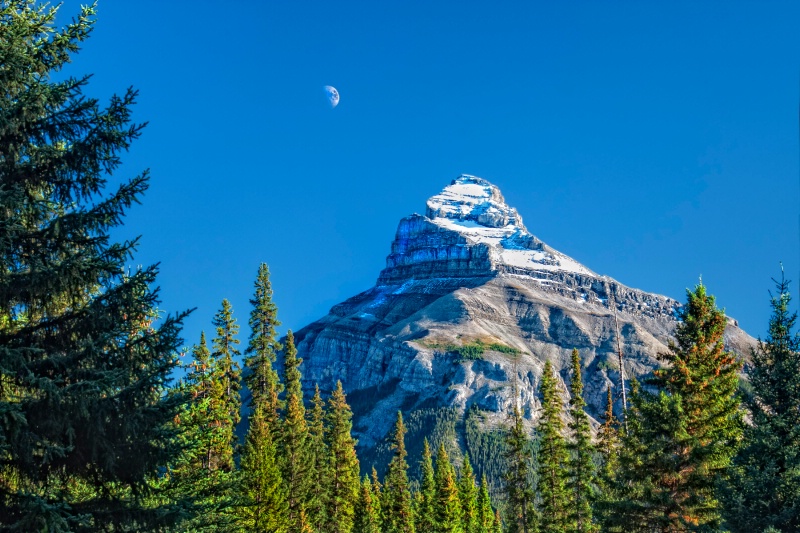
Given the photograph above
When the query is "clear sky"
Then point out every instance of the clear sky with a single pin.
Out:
(655, 142)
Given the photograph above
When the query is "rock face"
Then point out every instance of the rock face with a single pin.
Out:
(468, 274)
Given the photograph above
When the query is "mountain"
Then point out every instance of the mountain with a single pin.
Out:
(469, 303)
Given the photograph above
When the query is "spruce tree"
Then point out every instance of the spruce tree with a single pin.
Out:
(425, 515)
(485, 511)
(85, 356)
(262, 379)
(318, 462)
(581, 468)
(229, 372)
(396, 495)
(342, 479)
(448, 505)
(553, 457)
(468, 495)
(368, 511)
(293, 442)
(765, 487)
(264, 506)
(608, 441)
(520, 512)
(680, 447)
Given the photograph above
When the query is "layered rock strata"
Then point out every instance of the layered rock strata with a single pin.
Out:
(469, 274)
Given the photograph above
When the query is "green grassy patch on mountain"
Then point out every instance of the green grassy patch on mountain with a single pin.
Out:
(470, 350)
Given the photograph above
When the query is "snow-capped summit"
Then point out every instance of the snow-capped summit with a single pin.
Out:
(469, 198)
(468, 230)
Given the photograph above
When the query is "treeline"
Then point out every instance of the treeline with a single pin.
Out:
(297, 469)
(94, 436)
(682, 458)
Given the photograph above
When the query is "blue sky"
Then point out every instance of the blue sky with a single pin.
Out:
(655, 142)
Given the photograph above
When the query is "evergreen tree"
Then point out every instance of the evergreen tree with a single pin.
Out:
(396, 495)
(293, 443)
(262, 380)
(520, 513)
(229, 373)
(765, 487)
(581, 468)
(205, 441)
(343, 483)
(553, 457)
(608, 441)
(448, 505)
(468, 496)
(85, 358)
(684, 435)
(264, 493)
(368, 510)
(485, 511)
(425, 515)
(318, 462)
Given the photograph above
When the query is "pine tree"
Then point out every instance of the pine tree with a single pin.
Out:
(343, 483)
(608, 441)
(396, 495)
(226, 383)
(318, 462)
(685, 434)
(468, 496)
(448, 505)
(553, 457)
(293, 443)
(485, 511)
(425, 515)
(765, 487)
(225, 354)
(205, 441)
(262, 380)
(264, 507)
(520, 513)
(581, 468)
(368, 510)
(85, 357)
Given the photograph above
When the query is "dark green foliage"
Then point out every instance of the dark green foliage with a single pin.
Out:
(608, 442)
(293, 441)
(85, 358)
(553, 457)
(682, 437)
(263, 492)
(448, 506)
(227, 368)
(487, 449)
(262, 380)
(342, 480)
(396, 495)
(519, 492)
(425, 511)
(318, 462)
(468, 495)
(581, 468)
(765, 486)
(435, 424)
(368, 510)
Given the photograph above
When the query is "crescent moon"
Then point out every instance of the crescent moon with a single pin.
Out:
(332, 94)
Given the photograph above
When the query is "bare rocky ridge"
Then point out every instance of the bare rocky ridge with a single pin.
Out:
(469, 272)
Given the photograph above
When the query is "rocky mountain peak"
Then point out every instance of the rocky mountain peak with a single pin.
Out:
(469, 198)
(466, 312)
(468, 230)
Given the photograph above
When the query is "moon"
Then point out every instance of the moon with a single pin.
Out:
(332, 94)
